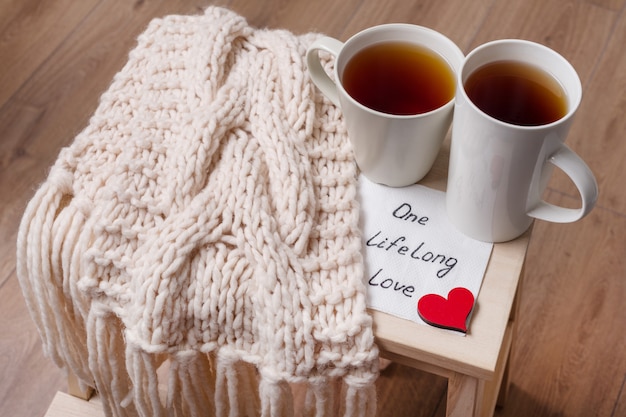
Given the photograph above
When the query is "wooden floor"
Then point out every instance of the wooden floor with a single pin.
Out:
(58, 56)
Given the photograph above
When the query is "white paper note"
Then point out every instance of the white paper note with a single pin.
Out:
(411, 249)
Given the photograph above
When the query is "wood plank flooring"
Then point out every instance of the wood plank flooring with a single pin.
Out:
(58, 56)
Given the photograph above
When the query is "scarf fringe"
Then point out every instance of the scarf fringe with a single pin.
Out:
(46, 262)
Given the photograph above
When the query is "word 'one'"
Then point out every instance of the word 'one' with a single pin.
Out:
(405, 212)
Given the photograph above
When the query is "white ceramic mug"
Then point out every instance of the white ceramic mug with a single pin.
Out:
(498, 171)
(395, 150)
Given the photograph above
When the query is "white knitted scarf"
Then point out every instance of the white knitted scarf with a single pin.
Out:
(205, 219)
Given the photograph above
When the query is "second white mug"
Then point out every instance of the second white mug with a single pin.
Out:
(499, 168)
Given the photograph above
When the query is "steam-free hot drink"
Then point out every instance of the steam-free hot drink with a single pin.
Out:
(517, 93)
(399, 78)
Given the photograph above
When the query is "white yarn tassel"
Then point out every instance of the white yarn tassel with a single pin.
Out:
(142, 368)
(106, 362)
(236, 389)
(46, 248)
(33, 266)
(191, 385)
(320, 397)
(360, 399)
(276, 397)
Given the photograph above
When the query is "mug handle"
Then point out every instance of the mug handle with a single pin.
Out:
(316, 71)
(582, 177)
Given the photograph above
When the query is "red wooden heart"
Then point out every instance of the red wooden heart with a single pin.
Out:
(450, 313)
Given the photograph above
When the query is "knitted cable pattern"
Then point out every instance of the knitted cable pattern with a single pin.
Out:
(205, 218)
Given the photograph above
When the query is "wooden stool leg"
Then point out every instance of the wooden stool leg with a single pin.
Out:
(464, 396)
(504, 386)
(74, 388)
(506, 382)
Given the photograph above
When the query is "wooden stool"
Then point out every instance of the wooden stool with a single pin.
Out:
(476, 364)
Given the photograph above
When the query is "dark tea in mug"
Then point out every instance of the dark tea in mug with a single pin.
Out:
(399, 78)
(517, 93)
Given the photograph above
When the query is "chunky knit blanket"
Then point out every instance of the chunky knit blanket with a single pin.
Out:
(195, 251)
